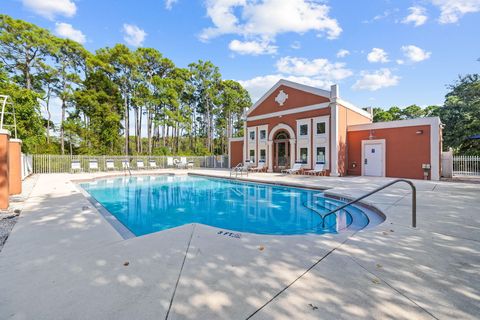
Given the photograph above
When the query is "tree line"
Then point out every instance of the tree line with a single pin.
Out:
(184, 110)
(189, 111)
(460, 115)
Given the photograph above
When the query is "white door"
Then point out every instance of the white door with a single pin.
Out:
(373, 159)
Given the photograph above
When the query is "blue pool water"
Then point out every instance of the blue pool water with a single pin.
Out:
(146, 204)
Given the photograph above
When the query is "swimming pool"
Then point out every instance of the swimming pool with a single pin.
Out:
(147, 204)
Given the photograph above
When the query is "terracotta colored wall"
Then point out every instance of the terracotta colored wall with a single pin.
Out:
(296, 99)
(236, 153)
(346, 117)
(15, 166)
(4, 190)
(405, 153)
(290, 119)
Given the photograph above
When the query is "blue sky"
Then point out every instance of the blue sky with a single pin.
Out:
(380, 52)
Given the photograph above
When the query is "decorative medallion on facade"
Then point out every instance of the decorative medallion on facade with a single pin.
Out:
(281, 98)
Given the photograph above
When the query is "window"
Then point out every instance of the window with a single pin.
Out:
(320, 127)
(304, 129)
(263, 134)
(252, 135)
(252, 155)
(263, 155)
(303, 155)
(320, 154)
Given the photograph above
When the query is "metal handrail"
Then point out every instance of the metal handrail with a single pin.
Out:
(414, 199)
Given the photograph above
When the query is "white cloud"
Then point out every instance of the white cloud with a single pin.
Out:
(66, 30)
(318, 73)
(169, 4)
(373, 81)
(417, 16)
(296, 45)
(382, 16)
(268, 18)
(377, 55)
(254, 48)
(259, 85)
(400, 61)
(452, 10)
(342, 53)
(320, 68)
(51, 8)
(133, 35)
(415, 54)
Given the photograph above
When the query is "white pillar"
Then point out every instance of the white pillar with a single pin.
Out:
(334, 140)
(270, 156)
(292, 152)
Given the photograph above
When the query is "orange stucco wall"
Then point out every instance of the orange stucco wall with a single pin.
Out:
(296, 99)
(405, 153)
(4, 189)
(15, 166)
(346, 117)
(236, 153)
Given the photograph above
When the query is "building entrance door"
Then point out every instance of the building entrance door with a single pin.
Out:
(281, 151)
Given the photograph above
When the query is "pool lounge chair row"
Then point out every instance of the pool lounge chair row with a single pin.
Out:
(140, 164)
(297, 168)
(318, 170)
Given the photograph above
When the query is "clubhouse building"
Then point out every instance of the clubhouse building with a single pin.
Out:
(292, 123)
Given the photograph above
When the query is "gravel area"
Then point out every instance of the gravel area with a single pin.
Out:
(7, 221)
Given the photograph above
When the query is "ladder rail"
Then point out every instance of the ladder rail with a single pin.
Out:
(414, 199)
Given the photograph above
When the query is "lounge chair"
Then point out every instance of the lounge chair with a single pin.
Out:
(93, 165)
(76, 166)
(152, 164)
(319, 169)
(140, 164)
(184, 164)
(260, 168)
(170, 162)
(110, 165)
(297, 167)
(125, 164)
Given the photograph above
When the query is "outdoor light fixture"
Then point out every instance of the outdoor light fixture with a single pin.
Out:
(371, 136)
(419, 132)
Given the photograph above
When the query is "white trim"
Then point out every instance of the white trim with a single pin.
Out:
(435, 152)
(294, 85)
(334, 141)
(354, 108)
(5, 131)
(280, 126)
(384, 152)
(290, 111)
(235, 139)
(16, 140)
(433, 121)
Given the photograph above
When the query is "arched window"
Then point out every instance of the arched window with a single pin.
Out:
(281, 135)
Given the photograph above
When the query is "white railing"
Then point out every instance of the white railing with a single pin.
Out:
(27, 168)
(47, 163)
(466, 165)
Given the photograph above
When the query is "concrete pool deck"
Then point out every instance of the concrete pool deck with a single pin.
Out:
(63, 260)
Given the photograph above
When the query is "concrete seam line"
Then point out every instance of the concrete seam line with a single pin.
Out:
(180, 273)
(300, 276)
(393, 288)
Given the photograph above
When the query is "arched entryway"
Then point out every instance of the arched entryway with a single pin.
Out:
(281, 147)
(281, 151)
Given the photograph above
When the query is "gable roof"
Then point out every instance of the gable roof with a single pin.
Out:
(287, 83)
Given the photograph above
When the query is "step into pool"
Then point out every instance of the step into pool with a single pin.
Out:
(147, 204)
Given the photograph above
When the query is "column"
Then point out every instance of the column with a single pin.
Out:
(15, 166)
(270, 156)
(292, 152)
(4, 190)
